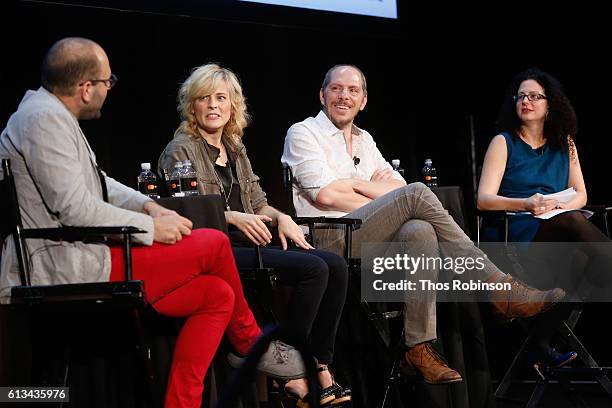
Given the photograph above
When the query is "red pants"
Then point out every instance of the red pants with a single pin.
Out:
(197, 279)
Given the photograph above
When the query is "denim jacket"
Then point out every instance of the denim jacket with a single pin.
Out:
(184, 147)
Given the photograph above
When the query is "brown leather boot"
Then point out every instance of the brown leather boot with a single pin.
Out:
(424, 358)
(522, 300)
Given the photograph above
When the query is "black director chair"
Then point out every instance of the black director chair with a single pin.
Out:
(544, 374)
(70, 308)
(379, 320)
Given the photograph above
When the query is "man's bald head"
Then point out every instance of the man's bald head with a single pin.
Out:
(69, 62)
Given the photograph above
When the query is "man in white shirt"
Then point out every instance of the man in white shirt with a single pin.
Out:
(339, 171)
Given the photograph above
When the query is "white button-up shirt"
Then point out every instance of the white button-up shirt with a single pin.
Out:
(315, 150)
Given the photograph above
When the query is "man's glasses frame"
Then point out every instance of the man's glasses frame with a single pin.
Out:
(109, 83)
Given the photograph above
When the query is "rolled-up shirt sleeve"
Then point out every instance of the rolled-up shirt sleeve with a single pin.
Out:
(306, 158)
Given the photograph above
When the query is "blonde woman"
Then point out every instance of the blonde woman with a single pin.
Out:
(214, 116)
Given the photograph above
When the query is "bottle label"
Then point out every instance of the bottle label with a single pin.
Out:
(428, 178)
(147, 188)
(175, 186)
(189, 183)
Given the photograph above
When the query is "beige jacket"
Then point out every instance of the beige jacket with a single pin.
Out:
(184, 147)
(61, 186)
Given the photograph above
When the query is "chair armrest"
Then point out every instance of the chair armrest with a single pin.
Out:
(492, 213)
(351, 224)
(94, 292)
(597, 208)
(87, 234)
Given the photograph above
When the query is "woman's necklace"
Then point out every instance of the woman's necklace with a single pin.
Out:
(227, 163)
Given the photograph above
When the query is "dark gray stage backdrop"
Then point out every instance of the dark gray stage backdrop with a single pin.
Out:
(427, 73)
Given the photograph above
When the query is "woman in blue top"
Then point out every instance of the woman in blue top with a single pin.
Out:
(534, 154)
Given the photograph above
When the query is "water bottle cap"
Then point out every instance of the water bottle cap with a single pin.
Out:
(427, 161)
(145, 166)
(395, 162)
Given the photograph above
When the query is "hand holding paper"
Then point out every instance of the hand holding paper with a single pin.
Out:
(564, 196)
(538, 204)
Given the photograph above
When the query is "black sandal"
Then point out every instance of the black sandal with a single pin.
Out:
(326, 395)
(341, 394)
(303, 402)
(333, 395)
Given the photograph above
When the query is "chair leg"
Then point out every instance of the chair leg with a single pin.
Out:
(144, 357)
(393, 377)
(537, 393)
(586, 357)
(261, 382)
(66, 370)
(391, 381)
(574, 316)
(512, 371)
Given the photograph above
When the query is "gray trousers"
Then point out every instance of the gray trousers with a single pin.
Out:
(411, 214)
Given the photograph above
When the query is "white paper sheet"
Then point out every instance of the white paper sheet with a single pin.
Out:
(563, 197)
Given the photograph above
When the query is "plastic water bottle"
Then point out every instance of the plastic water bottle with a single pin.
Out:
(175, 180)
(189, 179)
(430, 176)
(163, 186)
(395, 163)
(147, 182)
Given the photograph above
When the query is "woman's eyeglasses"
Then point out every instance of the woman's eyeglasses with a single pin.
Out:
(531, 97)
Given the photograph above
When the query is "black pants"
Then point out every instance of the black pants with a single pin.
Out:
(593, 261)
(572, 227)
(319, 280)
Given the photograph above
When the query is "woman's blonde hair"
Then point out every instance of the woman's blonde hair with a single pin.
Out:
(204, 80)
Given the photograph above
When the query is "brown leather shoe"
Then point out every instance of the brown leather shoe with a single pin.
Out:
(425, 359)
(522, 300)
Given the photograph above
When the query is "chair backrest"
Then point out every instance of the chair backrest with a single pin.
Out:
(9, 206)
(11, 220)
(288, 185)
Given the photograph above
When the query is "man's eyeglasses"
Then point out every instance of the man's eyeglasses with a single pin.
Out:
(109, 83)
(531, 97)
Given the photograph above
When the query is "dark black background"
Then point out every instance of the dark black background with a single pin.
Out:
(427, 73)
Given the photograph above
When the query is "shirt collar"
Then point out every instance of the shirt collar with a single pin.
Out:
(329, 128)
(214, 152)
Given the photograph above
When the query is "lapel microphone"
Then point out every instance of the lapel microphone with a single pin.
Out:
(356, 160)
